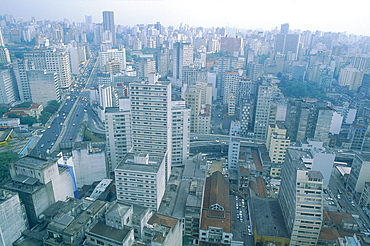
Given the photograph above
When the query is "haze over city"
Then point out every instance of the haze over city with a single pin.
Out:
(329, 15)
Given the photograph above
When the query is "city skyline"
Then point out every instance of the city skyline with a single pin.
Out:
(329, 16)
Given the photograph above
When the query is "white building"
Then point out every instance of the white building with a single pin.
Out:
(52, 60)
(89, 163)
(8, 87)
(152, 118)
(180, 133)
(234, 146)
(113, 54)
(118, 132)
(140, 179)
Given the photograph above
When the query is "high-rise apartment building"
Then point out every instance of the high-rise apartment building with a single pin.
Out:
(140, 179)
(52, 60)
(180, 133)
(224, 64)
(277, 142)
(4, 55)
(20, 70)
(118, 134)
(351, 77)
(234, 146)
(360, 173)
(108, 26)
(13, 220)
(152, 118)
(301, 199)
(262, 112)
(8, 87)
(182, 57)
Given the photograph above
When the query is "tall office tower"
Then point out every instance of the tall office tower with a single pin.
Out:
(246, 116)
(231, 79)
(141, 179)
(43, 86)
(152, 119)
(231, 45)
(8, 87)
(262, 112)
(351, 77)
(246, 91)
(360, 173)
(323, 123)
(52, 60)
(356, 136)
(182, 57)
(190, 76)
(4, 55)
(2, 44)
(284, 28)
(297, 118)
(277, 142)
(146, 67)
(88, 19)
(301, 199)
(163, 61)
(224, 64)
(234, 146)
(13, 220)
(108, 25)
(287, 44)
(180, 133)
(193, 99)
(20, 70)
(113, 54)
(118, 130)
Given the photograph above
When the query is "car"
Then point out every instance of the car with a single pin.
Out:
(42, 145)
(349, 198)
(340, 191)
(338, 196)
(250, 233)
(73, 124)
(249, 228)
(353, 204)
(70, 138)
(52, 144)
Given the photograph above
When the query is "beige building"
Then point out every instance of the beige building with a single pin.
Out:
(277, 142)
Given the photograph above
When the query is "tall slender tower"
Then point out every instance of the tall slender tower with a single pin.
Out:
(152, 118)
(108, 25)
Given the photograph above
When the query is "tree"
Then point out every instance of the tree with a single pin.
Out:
(24, 105)
(5, 159)
(3, 110)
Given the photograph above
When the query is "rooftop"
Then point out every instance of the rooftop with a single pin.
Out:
(129, 164)
(267, 218)
(34, 162)
(112, 233)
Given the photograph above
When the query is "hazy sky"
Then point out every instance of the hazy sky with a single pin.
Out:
(351, 16)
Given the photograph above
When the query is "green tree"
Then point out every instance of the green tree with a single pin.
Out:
(5, 159)
(3, 110)
(24, 105)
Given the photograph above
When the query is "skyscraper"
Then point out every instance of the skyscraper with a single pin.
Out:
(301, 199)
(182, 57)
(108, 25)
(152, 118)
(284, 28)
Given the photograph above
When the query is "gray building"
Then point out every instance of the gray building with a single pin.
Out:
(360, 173)
(8, 87)
(13, 219)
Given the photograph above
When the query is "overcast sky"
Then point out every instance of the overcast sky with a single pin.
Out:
(351, 16)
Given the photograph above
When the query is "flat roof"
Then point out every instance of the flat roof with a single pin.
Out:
(267, 218)
(112, 233)
(33, 162)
